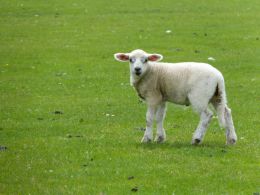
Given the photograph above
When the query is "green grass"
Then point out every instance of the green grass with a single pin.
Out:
(58, 56)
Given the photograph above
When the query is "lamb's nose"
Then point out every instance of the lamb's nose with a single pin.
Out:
(137, 69)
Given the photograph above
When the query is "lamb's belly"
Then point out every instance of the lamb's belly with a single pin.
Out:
(181, 99)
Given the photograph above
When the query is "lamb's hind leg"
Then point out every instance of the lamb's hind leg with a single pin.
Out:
(205, 118)
(230, 130)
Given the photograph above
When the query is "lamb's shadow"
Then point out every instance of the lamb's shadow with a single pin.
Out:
(181, 145)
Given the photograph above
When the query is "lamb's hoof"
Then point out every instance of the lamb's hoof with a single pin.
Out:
(231, 141)
(196, 141)
(160, 139)
(146, 139)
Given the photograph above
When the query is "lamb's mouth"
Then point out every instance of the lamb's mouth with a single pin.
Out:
(138, 73)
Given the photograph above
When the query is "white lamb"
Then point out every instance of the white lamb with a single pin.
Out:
(187, 83)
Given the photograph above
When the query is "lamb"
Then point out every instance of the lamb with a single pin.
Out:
(186, 83)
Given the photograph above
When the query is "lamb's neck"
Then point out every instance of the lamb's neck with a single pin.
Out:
(147, 76)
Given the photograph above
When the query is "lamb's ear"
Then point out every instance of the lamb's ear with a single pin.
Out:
(122, 57)
(155, 57)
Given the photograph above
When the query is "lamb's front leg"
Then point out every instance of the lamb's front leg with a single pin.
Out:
(160, 114)
(148, 134)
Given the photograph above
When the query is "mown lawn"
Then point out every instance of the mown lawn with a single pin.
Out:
(70, 123)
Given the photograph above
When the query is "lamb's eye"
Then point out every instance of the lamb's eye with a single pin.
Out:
(145, 60)
(132, 60)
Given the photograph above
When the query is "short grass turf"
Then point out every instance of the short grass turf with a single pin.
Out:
(70, 123)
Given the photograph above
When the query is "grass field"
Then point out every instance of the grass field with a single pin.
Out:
(70, 123)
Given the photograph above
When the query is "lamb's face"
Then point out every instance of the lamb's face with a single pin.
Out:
(139, 61)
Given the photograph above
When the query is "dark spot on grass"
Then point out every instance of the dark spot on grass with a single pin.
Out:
(57, 112)
(195, 34)
(69, 136)
(140, 128)
(176, 126)
(130, 177)
(40, 118)
(178, 49)
(59, 74)
(135, 189)
(140, 101)
(91, 159)
(85, 165)
(196, 51)
(81, 120)
(257, 38)
(1, 128)
(224, 151)
(3, 148)
(205, 34)
(79, 69)
(256, 193)
(79, 136)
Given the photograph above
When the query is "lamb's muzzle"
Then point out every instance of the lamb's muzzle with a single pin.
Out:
(138, 71)
(187, 83)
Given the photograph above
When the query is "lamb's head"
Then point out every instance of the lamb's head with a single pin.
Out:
(139, 61)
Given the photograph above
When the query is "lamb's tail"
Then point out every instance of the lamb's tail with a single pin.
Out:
(220, 102)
